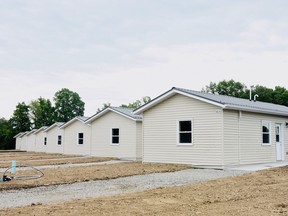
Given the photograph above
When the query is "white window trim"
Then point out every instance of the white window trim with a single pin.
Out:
(79, 138)
(269, 122)
(178, 133)
(111, 136)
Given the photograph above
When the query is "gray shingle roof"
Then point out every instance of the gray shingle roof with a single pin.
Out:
(238, 103)
(82, 118)
(128, 112)
(225, 102)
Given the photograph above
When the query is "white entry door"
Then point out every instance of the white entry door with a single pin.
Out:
(279, 142)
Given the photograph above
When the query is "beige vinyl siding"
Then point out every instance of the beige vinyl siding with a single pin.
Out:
(31, 142)
(251, 148)
(231, 137)
(70, 139)
(18, 143)
(101, 136)
(139, 141)
(39, 142)
(160, 132)
(52, 140)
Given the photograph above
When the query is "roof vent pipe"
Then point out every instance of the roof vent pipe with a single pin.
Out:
(255, 96)
(251, 92)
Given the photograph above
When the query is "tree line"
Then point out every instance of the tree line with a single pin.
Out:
(278, 95)
(41, 112)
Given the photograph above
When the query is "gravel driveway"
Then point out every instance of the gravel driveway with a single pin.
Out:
(60, 193)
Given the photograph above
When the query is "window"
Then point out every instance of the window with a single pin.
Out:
(115, 135)
(80, 138)
(266, 133)
(45, 140)
(185, 132)
(277, 133)
(59, 140)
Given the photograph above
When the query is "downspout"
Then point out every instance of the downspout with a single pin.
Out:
(223, 155)
(239, 118)
(90, 125)
(142, 153)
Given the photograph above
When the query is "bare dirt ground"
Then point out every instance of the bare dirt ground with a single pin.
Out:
(260, 193)
(89, 173)
(27, 156)
(55, 161)
(67, 175)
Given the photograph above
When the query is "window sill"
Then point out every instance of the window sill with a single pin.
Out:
(184, 144)
(266, 144)
(114, 144)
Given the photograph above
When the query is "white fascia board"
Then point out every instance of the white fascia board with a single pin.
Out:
(267, 112)
(30, 132)
(18, 135)
(71, 122)
(154, 102)
(40, 129)
(122, 114)
(52, 126)
(98, 115)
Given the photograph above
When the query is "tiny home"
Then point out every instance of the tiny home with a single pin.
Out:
(54, 138)
(17, 138)
(116, 132)
(40, 140)
(23, 141)
(76, 136)
(189, 127)
(30, 140)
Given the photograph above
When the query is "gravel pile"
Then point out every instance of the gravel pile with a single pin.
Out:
(60, 193)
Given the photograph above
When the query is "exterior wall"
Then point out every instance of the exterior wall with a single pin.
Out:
(52, 140)
(160, 130)
(23, 146)
(101, 137)
(31, 142)
(243, 138)
(70, 139)
(39, 142)
(18, 143)
(139, 138)
(231, 137)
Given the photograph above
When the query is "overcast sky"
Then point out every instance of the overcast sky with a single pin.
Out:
(118, 51)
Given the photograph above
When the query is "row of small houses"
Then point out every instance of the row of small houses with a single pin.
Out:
(180, 126)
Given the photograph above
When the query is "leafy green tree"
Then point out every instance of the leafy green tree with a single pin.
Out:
(6, 135)
(137, 103)
(280, 96)
(230, 88)
(20, 121)
(42, 112)
(104, 106)
(264, 94)
(68, 104)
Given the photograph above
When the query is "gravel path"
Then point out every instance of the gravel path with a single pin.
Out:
(60, 193)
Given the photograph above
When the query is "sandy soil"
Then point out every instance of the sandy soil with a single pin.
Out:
(261, 193)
